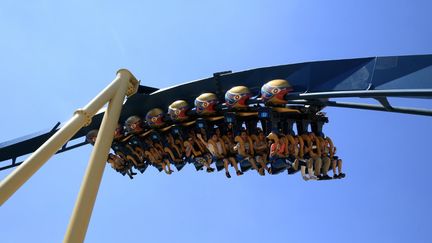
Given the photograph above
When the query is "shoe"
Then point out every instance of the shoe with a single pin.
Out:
(305, 178)
(325, 177)
(227, 174)
(312, 177)
(336, 176)
(239, 173)
(210, 169)
(319, 177)
(341, 175)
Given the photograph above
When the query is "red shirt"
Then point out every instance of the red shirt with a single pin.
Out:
(281, 149)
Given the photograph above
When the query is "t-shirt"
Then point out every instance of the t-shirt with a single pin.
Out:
(281, 149)
(215, 151)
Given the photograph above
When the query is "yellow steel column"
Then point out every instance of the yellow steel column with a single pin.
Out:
(82, 117)
(80, 218)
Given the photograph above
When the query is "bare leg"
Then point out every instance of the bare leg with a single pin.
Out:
(334, 162)
(303, 173)
(130, 158)
(235, 164)
(169, 166)
(253, 163)
(310, 169)
(326, 165)
(318, 165)
(226, 165)
(263, 164)
(166, 167)
(207, 165)
(296, 164)
(339, 162)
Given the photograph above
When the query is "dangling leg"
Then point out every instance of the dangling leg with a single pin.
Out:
(334, 163)
(310, 169)
(225, 162)
(235, 165)
(165, 167)
(168, 164)
(296, 164)
(326, 166)
(262, 164)
(341, 175)
(207, 163)
(303, 173)
(253, 163)
(318, 165)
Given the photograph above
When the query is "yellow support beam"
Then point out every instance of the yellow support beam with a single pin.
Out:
(87, 196)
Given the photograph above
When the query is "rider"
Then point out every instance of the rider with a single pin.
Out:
(261, 151)
(218, 151)
(245, 150)
(278, 149)
(119, 165)
(307, 151)
(336, 161)
(194, 154)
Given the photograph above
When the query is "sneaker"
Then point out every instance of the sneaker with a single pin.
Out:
(336, 176)
(239, 173)
(227, 174)
(210, 169)
(325, 177)
(305, 178)
(312, 177)
(341, 175)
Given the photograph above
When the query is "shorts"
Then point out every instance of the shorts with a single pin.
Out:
(291, 158)
(219, 163)
(200, 160)
(302, 162)
(241, 158)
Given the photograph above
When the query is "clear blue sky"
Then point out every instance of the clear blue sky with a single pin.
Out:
(56, 56)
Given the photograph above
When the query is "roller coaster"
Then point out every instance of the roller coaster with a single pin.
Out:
(229, 113)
